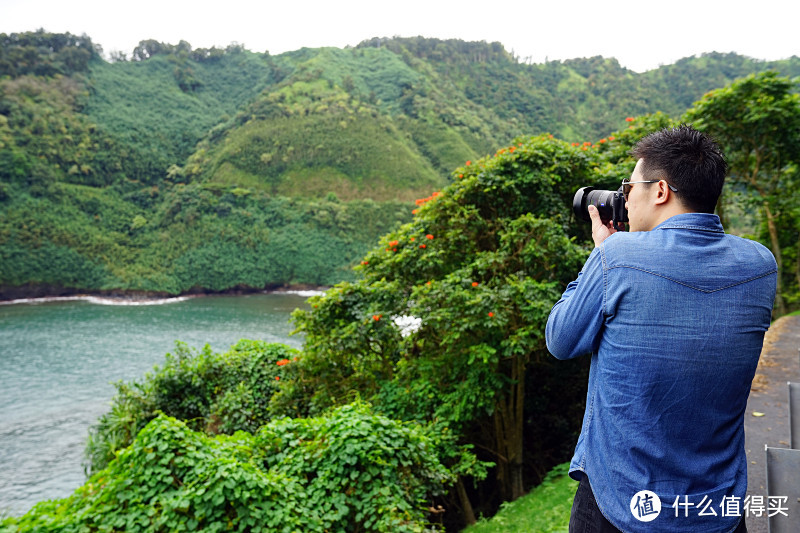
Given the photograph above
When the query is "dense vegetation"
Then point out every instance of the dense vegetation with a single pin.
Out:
(211, 392)
(352, 470)
(197, 236)
(168, 172)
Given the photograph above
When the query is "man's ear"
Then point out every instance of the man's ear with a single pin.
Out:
(662, 193)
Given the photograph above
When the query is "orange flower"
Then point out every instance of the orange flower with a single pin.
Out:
(414, 212)
(602, 141)
(629, 119)
(277, 378)
(429, 237)
(412, 239)
(491, 314)
(394, 243)
(469, 163)
(461, 175)
(550, 136)
(376, 317)
(282, 362)
(474, 283)
(611, 138)
(422, 246)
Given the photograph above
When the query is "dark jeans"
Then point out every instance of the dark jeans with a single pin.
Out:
(586, 517)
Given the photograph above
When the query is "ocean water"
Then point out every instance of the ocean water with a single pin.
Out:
(59, 359)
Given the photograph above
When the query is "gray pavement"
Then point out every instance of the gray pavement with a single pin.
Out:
(779, 364)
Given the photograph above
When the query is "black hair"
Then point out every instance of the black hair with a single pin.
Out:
(687, 159)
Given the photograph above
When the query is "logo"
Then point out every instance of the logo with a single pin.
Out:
(645, 506)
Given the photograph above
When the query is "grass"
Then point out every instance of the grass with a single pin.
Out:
(545, 509)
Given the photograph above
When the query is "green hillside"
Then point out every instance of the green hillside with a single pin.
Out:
(207, 169)
(313, 138)
(160, 108)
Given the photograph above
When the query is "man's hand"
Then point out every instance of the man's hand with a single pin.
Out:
(600, 231)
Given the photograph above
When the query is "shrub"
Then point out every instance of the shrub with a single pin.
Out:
(211, 392)
(352, 470)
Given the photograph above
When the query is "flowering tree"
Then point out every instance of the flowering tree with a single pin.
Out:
(478, 269)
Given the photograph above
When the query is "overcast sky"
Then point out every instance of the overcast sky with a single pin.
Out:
(641, 35)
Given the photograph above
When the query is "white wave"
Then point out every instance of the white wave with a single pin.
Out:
(98, 300)
(304, 294)
(125, 301)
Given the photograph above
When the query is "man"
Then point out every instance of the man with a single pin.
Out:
(674, 314)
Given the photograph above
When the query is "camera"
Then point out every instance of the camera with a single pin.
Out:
(610, 205)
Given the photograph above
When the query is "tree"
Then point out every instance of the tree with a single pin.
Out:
(449, 312)
(148, 48)
(757, 122)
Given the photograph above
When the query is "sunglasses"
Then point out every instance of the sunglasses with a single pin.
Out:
(626, 186)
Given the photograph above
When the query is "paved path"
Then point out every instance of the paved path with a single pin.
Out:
(780, 363)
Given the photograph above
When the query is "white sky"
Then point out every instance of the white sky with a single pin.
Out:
(642, 35)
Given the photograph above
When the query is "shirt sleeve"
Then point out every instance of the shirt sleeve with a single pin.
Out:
(576, 320)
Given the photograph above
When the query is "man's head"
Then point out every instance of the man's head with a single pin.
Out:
(689, 160)
(686, 169)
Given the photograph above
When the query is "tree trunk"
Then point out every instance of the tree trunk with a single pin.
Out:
(500, 452)
(776, 251)
(797, 266)
(466, 506)
(516, 445)
(723, 219)
(773, 232)
(508, 422)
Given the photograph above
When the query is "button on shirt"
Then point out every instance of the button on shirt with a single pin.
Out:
(674, 319)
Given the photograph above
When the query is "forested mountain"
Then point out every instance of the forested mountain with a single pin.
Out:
(208, 169)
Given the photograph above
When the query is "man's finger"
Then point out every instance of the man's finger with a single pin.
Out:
(594, 214)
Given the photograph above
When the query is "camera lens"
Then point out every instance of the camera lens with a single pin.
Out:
(602, 200)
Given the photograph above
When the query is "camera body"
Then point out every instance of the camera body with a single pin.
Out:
(610, 205)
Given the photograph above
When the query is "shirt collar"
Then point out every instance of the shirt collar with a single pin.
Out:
(697, 221)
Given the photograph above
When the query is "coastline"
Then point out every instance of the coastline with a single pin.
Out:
(52, 293)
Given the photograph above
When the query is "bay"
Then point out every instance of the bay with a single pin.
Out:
(59, 360)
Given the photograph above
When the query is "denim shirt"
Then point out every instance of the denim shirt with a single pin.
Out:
(674, 319)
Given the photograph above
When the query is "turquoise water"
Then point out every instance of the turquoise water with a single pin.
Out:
(58, 360)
